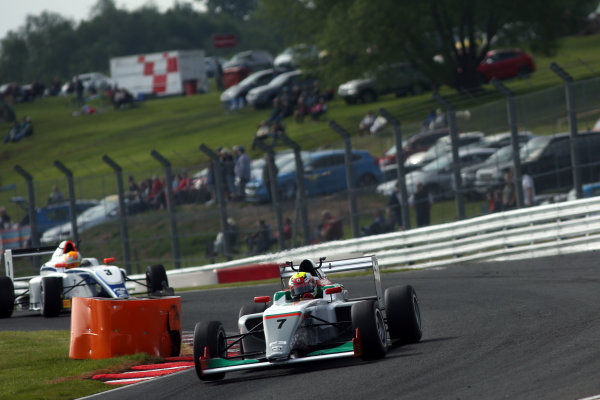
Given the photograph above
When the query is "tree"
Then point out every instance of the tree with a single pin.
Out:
(361, 34)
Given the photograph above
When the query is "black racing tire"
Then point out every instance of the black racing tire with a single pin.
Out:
(209, 334)
(7, 297)
(50, 296)
(367, 317)
(156, 279)
(403, 314)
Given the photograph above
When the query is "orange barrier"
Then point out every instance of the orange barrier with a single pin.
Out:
(254, 272)
(104, 328)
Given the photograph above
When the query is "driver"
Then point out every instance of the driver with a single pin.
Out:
(65, 256)
(302, 286)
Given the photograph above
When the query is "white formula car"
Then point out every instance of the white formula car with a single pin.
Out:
(65, 276)
(309, 322)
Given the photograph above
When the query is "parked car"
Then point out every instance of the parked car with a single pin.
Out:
(498, 140)
(243, 64)
(442, 146)
(52, 215)
(437, 175)
(262, 96)
(106, 210)
(503, 64)
(400, 79)
(239, 91)
(548, 160)
(292, 57)
(324, 173)
(419, 142)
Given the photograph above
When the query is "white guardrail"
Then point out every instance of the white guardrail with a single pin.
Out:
(551, 229)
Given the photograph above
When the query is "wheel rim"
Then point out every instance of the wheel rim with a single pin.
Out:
(380, 325)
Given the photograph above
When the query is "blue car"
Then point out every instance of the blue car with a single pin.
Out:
(324, 173)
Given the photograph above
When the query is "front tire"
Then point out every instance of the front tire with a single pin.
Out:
(7, 297)
(209, 334)
(403, 314)
(156, 280)
(367, 317)
(51, 297)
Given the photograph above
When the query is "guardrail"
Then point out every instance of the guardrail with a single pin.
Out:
(546, 230)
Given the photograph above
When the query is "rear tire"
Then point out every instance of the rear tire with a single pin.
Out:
(51, 296)
(156, 279)
(212, 335)
(7, 297)
(403, 314)
(367, 317)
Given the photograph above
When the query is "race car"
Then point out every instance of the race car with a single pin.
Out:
(310, 319)
(65, 276)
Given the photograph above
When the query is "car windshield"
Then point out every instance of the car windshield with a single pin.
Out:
(251, 79)
(102, 209)
(279, 80)
(501, 155)
(532, 149)
(288, 164)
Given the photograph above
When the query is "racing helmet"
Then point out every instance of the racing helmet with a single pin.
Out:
(301, 284)
(72, 259)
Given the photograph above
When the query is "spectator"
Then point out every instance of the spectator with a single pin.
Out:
(509, 197)
(378, 225)
(122, 97)
(395, 208)
(156, 197)
(232, 236)
(302, 110)
(494, 200)
(277, 131)
(12, 133)
(278, 111)
(5, 222)
(261, 240)
(378, 125)
(262, 132)
(219, 76)
(439, 120)
(227, 165)
(430, 119)
(182, 190)
(421, 202)
(55, 196)
(318, 109)
(133, 187)
(241, 171)
(78, 90)
(528, 190)
(287, 231)
(365, 124)
(329, 228)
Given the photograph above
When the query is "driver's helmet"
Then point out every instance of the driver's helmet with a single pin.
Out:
(301, 284)
(72, 259)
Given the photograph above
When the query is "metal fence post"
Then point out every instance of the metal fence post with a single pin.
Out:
(574, 133)
(349, 176)
(220, 193)
(35, 239)
(123, 214)
(272, 170)
(400, 166)
(73, 209)
(514, 138)
(170, 206)
(300, 188)
(458, 192)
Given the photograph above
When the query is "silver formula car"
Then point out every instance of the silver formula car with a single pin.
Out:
(306, 324)
(65, 276)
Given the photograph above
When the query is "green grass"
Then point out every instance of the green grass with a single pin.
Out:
(35, 365)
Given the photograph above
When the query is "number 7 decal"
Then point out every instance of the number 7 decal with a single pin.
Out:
(281, 322)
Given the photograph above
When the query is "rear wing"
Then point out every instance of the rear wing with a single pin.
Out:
(337, 266)
(10, 254)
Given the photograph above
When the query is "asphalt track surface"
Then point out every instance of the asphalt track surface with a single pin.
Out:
(518, 330)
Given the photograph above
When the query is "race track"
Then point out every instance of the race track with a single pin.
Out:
(519, 330)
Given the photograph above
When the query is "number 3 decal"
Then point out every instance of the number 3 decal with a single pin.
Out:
(281, 322)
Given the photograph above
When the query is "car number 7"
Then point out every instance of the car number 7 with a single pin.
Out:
(281, 322)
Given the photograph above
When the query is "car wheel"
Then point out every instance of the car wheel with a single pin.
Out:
(250, 342)
(51, 296)
(403, 314)
(209, 334)
(156, 279)
(7, 297)
(367, 318)
(366, 181)
(368, 96)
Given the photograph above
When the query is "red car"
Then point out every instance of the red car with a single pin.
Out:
(416, 143)
(502, 64)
